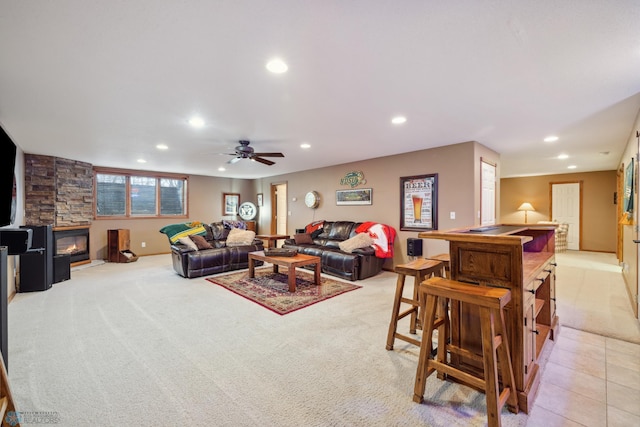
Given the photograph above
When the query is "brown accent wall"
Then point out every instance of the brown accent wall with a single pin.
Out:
(598, 209)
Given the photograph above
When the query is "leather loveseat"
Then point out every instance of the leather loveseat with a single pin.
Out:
(358, 264)
(190, 262)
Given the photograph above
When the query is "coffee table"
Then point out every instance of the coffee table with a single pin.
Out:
(291, 262)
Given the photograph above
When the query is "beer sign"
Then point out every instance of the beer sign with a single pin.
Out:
(418, 202)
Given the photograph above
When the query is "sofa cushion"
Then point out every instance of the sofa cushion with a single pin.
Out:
(239, 237)
(303, 239)
(218, 231)
(201, 242)
(188, 242)
(360, 240)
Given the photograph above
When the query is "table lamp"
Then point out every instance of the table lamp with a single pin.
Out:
(526, 206)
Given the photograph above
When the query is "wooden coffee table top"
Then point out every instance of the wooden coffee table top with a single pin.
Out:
(297, 260)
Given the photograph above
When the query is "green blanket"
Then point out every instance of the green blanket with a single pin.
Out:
(175, 231)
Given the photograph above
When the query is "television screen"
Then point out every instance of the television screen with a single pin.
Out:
(7, 179)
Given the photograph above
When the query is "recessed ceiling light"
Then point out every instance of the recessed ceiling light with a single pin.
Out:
(221, 169)
(142, 161)
(398, 120)
(196, 122)
(563, 156)
(571, 167)
(277, 66)
(162, 147)
(305, 145)
(551, 138)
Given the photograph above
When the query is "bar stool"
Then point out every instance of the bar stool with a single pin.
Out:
(446, 261)
(420, 269)
(490, 302)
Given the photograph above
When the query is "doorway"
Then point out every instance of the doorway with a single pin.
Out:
(487, 193)
(279, 208)
(566, 207)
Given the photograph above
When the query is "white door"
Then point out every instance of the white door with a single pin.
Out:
(281, 214)
(565, 207)
(488, 194)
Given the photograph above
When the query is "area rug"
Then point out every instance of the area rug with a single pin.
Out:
(271, 290)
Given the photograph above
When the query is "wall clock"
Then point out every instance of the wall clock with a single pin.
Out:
(247, 211)
(312, 199)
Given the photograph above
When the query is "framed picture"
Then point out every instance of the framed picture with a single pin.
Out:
(419, 202)
(362, 196)
(260, 199)
(230, 203)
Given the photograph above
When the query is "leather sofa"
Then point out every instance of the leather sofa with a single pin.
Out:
(357, 265)
(190, 263)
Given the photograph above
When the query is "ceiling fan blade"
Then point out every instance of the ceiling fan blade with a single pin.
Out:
(269, 154)
(234, 160)
(261, 160)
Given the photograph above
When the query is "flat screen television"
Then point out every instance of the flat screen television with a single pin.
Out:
(7, 179)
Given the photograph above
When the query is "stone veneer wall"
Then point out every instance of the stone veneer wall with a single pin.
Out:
(58, 191)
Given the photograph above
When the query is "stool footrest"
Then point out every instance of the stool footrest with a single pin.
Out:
(456, 373)
(464, 353)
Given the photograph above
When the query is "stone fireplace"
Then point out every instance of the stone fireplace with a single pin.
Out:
(59, 193)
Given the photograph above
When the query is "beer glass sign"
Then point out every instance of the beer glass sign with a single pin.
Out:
(419, 202)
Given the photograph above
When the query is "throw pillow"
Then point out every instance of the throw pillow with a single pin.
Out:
(239, 237)
(360, 240)
(303, 239)
(201, 242)
(188, 242)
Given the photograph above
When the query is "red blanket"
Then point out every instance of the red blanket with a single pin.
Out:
(383, 237)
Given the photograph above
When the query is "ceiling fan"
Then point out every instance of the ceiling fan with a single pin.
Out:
(243, 151)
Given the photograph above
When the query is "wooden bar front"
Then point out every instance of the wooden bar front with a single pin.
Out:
(520, 258)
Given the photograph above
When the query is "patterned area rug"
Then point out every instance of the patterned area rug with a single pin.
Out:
(271, 290)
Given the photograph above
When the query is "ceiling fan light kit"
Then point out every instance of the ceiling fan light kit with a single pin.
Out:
(243, 151)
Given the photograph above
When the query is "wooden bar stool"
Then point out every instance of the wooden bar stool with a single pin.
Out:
(446, 261)
(420, 269)
(490, 302)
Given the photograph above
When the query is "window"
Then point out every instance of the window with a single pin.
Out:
(127, 194)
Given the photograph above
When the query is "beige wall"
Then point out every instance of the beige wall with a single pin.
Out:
(205, 204)
(630, 232)
(458, 169)
(598, 210)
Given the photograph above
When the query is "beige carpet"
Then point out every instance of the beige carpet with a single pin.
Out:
(591, 295)
(137, 345)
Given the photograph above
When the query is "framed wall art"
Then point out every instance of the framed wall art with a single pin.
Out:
(419, 202)
(230, 203)
(362, 196)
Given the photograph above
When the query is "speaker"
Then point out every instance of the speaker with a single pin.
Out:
(17, 240)
(414, 247)
(36, 267)
(61, 268)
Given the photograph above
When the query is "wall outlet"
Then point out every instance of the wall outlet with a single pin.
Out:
(452, 215)
(144, 244)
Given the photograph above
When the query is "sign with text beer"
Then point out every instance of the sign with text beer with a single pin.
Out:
(419, 202)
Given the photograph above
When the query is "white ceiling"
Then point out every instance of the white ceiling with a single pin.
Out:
(105, 81)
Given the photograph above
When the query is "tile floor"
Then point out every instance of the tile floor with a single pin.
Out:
(589, 380)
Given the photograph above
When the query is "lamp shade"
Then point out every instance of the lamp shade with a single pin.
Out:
(526, 206)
